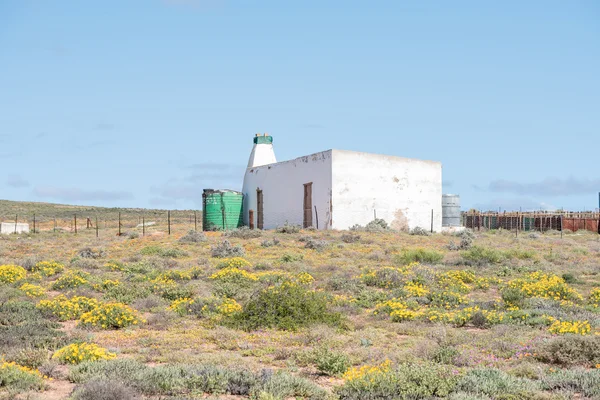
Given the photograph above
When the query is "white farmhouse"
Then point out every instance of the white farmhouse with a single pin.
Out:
(335, 189)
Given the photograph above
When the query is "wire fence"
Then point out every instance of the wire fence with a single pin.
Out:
(114, 223)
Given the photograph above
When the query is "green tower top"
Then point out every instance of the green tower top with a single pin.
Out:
(263, 139)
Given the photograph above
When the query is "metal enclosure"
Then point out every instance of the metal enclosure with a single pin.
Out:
(221, 209)
(450, 210)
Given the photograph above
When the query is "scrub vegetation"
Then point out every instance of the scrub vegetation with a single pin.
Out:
(299, 313)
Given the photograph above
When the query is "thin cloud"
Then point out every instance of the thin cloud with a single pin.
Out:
(16, 181)
(202, 176)
(103, 126)
(75, 194)
(551, 186)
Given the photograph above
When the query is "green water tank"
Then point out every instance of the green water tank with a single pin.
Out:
(221, 209)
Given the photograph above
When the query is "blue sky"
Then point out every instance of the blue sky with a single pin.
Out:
(144, 103)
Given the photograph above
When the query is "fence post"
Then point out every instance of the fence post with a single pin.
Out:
(119, 223)
(16, 220)
(195, 222)
(432, 220)
(561, 226)
(75, 218)
(54, 229)
(96, 226)
(251, 219)
(143, 225)
(33, 223)
(169, 220)
(317, 217)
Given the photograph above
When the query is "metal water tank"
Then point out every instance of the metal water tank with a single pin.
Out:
(221, 209)
(450, 210)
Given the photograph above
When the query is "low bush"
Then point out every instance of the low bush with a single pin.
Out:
(482, 256)
(377, 225)
(110, 316)
(193, 237)
(287, 307)
(226, 250)
(288, 258)
(88, 252)
(76, 353)
(244, 233)
(418, 231)
(18, 378)
(183, 379)
(159, 251)
(497, 384)
(71, 280)
(23, 326)
(270, 243)
(316, 244)
(127, 292)
(350, 237)
(405, 382)
(103, 389)
(47, 268)
(68, 309)
(330, 362)
(569, 350)
(288, 228)
(586, 382)
(418, 255)
(11, 273)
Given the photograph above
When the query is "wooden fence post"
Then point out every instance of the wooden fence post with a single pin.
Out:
(169, 220)
(75, 219)
(251, 219)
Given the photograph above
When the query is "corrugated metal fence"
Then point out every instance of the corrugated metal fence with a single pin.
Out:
(530, 221)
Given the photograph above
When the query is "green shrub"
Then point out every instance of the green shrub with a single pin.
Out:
(185, 378)
(287, 258)
(445, 355)
(418, 255)
(286, 307)
(405, 382)
(127, 293)
(159, 251)
(586, 382)
(477, 255)
(17, 378)
(23, 326)
(330, 362)
(570, 350)
(569, 278)
(103, 389)
(513, 296)
(521, 254)
(496, 383)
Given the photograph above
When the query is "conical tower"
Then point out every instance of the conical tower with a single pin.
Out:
(262, 152)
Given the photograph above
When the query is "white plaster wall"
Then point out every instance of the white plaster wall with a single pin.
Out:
(401, 191)
(262, 154)
(9, 227)
(283, 190)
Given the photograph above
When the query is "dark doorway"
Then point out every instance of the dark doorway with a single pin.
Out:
(259, 209)
(307, 205)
